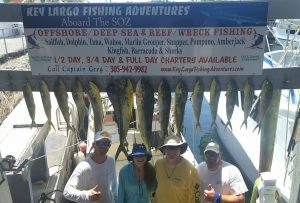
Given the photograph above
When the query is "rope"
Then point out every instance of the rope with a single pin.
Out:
(76, 144)
(44, 196)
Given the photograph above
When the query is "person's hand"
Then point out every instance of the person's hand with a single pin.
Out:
(209, 194)
(94, 193)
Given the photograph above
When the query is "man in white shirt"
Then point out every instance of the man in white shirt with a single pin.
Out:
(94, 178)
(223, 181)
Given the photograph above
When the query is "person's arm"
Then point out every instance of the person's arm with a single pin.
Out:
(212, 196)
(232, 198)
(121, 188)
(238, 185)
(72, 193)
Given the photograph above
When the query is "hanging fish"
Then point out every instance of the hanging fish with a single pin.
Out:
(181, 94)
(295, 135)
(28, 96)
(121, 96)
(145, 108)
(45, 96)
(264, 103)
(114, 94)
(95, 98)
(61, 95)
(77, 94)
(164, 106)
(231, 98)
(248, 99)
(215, 90)
(197, 98)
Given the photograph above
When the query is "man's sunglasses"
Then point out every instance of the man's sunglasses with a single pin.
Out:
(211, 154)
(171, 148)
(102, 144)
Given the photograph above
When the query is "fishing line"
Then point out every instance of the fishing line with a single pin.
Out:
(34, 159)
(44, 196)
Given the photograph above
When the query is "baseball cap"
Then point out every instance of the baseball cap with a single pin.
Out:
(212, 146)
(101, 135)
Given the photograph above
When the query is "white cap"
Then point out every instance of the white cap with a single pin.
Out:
(212, 146)
(101, 135)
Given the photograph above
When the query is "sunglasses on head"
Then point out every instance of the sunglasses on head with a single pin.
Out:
(102, 144)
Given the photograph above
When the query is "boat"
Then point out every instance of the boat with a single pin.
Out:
(286, 31)
(11, 29)
(243, 144)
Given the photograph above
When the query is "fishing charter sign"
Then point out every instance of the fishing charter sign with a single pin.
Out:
(146, 39)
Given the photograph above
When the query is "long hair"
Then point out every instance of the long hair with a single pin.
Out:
(149, 176)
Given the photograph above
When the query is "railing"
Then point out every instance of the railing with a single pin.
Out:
(12, 41)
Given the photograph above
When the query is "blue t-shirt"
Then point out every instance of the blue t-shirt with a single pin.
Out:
(130, 189)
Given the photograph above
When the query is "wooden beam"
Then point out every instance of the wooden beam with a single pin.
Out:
(281, 78)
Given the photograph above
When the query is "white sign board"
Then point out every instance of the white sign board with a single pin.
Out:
(146, 39)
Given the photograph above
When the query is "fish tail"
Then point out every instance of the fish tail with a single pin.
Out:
(213, 125)
(83, 135)
(198, 125)
(259, 130)
(244, 122)
(228, 124)
(121, 148)
(52, 125)
(163, 135)
(69, 127)
(33, 124)
(155, 142)
(257, 126)
(179, 135)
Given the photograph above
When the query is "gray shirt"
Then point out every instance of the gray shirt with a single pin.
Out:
(87, 175)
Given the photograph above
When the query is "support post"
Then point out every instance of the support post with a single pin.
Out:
(4, 188)
(5, 45)
(20, 186)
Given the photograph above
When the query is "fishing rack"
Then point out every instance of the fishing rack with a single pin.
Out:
(281, 78)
